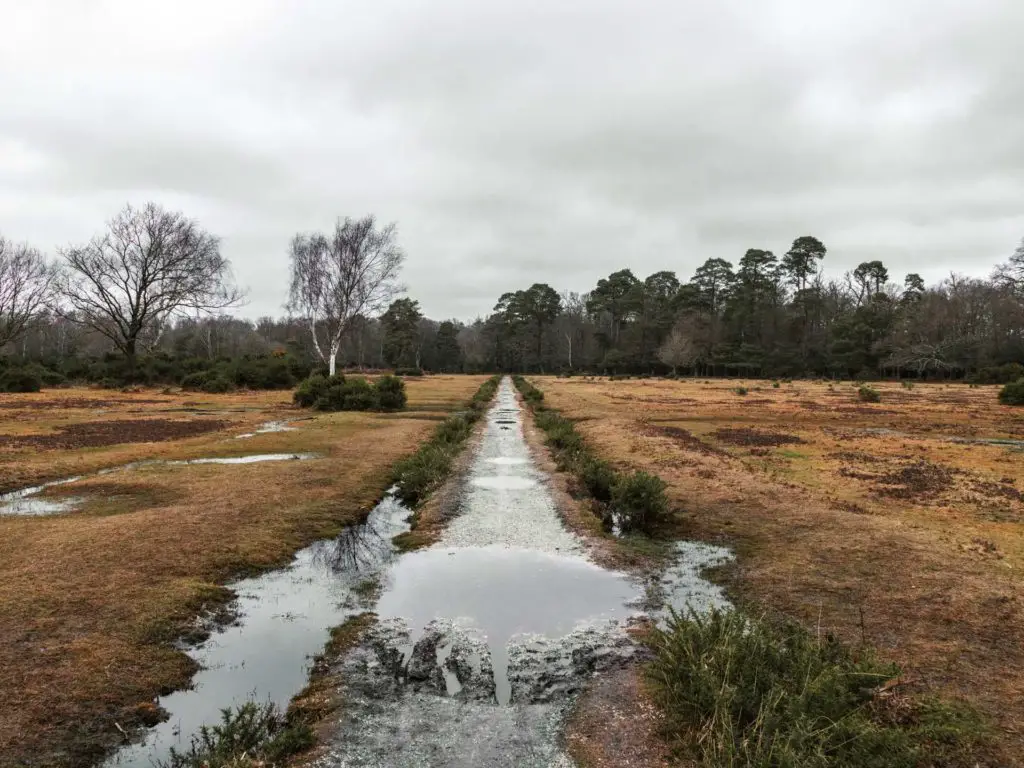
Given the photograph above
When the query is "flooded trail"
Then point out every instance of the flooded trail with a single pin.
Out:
(485, 637)
(482, 641)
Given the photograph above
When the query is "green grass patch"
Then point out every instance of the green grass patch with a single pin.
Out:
(742, 691)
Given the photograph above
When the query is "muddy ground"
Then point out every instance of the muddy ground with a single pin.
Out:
(897, 523)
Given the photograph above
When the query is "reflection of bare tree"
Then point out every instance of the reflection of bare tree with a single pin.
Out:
(364, 549)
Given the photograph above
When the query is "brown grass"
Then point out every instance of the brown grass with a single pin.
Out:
(878, 525)
(91, 599)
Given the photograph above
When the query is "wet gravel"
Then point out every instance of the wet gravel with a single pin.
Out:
(486, 637)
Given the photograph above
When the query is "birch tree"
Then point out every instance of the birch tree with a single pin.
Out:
(339, 276)
(26, 283)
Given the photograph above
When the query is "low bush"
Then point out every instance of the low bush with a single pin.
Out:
(312, 389)
(390, 393)
(252, 735)
(868, 394)
(598, 477)
(218, 384)
(765, 693)
(740, 390)
(348, 395)
(408, 372)
(530, 393)
(639, 503)
(419, 474)
(775, 385)
(194, 382)
(999, 374)
(1012, 394)
(20, 380)
(907, 384)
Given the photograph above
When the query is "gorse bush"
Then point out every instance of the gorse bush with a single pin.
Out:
(907, 384)
(639, 503)
(999, 374)
(598, 477)
(1012, 394)
(740, 390)
(337, 393)
(530, 393)
(391, 393)
(636, 502)
(868, 394)
(738, 691)
(312, 389)
(252, 735)
(419, 474)
(20, 380)
(408, 372)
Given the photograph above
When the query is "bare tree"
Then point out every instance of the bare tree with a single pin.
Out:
(26, 286)
(340, 276)
(678, 348)
(149, 266)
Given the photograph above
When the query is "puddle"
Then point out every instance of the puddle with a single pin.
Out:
(504, 593)
(253, 459)
(21, 502)
(683, 588)
(502, 483)
(267, 428)
(283, 620)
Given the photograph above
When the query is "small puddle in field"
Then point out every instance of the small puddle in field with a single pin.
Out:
(23, 502)
(283, 619)
(482, 641)
(268, 428)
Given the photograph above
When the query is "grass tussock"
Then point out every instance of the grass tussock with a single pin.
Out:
(634, 502)
(738, 691)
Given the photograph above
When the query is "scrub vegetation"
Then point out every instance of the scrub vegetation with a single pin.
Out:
(891, 525)
(94, 600)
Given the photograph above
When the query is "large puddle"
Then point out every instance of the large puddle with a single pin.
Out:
(482, 640)
(283, 619)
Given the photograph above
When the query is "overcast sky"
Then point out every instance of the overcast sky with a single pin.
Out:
(528, 141)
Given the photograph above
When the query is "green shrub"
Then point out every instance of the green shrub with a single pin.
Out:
(194, 381)
(907, 384)
(740, 390)
(313, 388)
(218, 384)
(263, 373)
(1000, 374)
(599, 478)
(453, 430)
(390, 393)
(417, 475)
(867, 394)
(252, 735)
(639, 503)
(775, 385)
(20, 380)
(348, 395)
(1012, 394)
(408, 372)
(754, 692)
(530, 393)
(483, 396)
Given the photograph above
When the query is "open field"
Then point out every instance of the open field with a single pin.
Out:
(892, 523)
(92, 599)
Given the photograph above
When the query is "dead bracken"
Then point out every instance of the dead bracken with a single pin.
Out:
(93, 434)
(761, 438)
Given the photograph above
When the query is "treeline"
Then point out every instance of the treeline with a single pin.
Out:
(149, 300)
(765, 316)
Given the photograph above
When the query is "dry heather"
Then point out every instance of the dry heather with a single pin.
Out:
(92, 599)
(893, 523)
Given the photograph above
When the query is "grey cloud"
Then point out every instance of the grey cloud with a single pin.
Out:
(533, 141)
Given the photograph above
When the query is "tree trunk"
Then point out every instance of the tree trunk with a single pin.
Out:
(332, 362)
